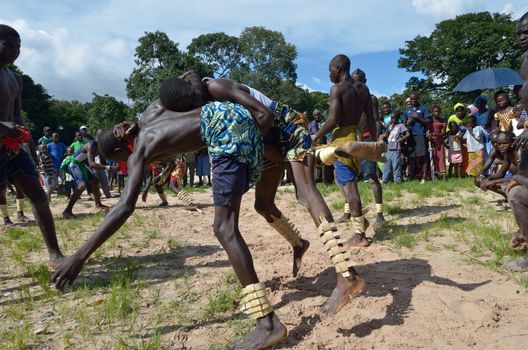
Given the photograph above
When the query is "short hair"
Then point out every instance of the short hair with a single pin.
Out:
(386, 103)
(499, 93)
(396, 113)
(362, 76)
(508, 135)
(342, 61)
(175, 94)
(7, 31)
(436, 106)
(107, 142)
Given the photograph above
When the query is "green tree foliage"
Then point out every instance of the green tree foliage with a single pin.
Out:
(105, 112)
(218, 50)
(68, 116)
(157, 58)
(458, 47)
(267, 61)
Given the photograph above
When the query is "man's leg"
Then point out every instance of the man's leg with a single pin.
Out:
(518, 198)
(3, 204)
(20, 206)
(378, 198)
(30, 187)
(97, 194)
(396, 164)
(265, 192)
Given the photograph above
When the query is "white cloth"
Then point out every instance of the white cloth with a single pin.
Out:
(475, 142)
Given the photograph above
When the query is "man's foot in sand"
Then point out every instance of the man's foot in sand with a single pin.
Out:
(269, 332)
(68, 215)
(363, 150)
(298, 253)
(344, 218)
(358, 240)
(55, 260)
(101, 207)
(518, 265)
(164, 204)
(7, 221)
(21, 218)
(346, 289)
(380, 220)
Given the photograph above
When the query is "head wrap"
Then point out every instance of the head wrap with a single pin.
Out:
(481, 98)
(458, 105)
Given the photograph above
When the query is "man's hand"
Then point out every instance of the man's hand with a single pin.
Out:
(126, 130)
(521, 141)
(67, 272)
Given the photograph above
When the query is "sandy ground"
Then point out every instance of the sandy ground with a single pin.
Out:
(416, 298)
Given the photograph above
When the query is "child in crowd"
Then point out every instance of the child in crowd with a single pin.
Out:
(503, 111)
(474, 137)
(455, 149)
(436, 136)
(386, 112)
(518, 111)
(395, 135)
(47, 170)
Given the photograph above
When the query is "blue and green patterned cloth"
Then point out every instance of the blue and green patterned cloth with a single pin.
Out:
(228, 129)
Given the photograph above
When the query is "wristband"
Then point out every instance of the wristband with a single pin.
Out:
(365, 134)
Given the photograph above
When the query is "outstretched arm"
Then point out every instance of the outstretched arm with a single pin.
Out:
(71, 267)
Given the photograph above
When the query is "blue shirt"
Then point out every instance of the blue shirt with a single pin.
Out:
(482, 118)
(56, 150)
(416, 127)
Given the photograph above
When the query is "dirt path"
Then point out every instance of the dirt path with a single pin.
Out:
(427, 296)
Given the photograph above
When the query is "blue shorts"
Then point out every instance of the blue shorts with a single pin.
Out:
(78, 175)
(230, 180)
(344, 173)
(21, 163)
(368, 168)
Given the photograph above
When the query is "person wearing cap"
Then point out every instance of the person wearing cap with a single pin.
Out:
(460, 118)
(84, 134)
(44, 140)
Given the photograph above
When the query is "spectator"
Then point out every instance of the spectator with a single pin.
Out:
(436, 136)
(455, 149)
(386, 112)
(503, 111)
(316, 123)
(44, 140)
(203, 166)
(395, 135)
(474, 137)
(77, 142)
(188, 159)
(460, 118)
(518, 113)
(57, 150)
(417, 120)
(47, 170)
(482, 116)
(85, 136)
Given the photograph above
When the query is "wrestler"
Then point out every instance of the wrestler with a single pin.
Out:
(289, 132)
(15, 164)
(349, 99)
(235, 143)
(368, 168)
(82, 172)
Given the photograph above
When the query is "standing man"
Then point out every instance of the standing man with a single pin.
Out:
(44, 140)
(57, 150)
(313, 127)
(349, 99)
(369, 169)
(85, 136)
(418, 120)
(15, 163)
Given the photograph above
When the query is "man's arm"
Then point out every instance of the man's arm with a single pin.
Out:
(226, 90)
(334, 111)
(71, 267)
(91, 153)
(501, 172)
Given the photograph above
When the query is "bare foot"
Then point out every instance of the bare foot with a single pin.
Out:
(102, 207)
(344, 218)
(68, 215)
(164, 204)
(269, 332)
(518, 265)
(298, 253)
(357, 240)
(21, 218)
(346, 289)
(380, 219)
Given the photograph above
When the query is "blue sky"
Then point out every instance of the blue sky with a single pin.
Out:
(74, 48)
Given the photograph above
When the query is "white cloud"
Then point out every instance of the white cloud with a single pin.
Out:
(317, 80)
(441, 8)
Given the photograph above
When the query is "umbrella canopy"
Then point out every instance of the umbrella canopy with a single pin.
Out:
(490, 78)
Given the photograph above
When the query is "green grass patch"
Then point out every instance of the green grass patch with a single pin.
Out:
(405, 240)
(122, 300)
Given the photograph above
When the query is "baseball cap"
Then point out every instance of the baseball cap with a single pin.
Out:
(83, 127)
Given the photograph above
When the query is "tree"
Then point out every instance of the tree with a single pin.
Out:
(105, 112)
(267, 61)
(460, 46)
(157, 58)
(68, 116)
(218, 50)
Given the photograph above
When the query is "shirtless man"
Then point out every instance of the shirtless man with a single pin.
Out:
(81, 171)
(235, 143)
(15, 164)
(287, 140)
(369, 169)
(349, 99)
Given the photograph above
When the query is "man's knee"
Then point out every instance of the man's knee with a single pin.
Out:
(263, 207)
(516, 195)
(224, 231)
